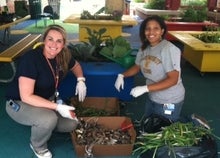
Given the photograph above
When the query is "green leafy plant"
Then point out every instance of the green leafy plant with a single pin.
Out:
(98, 42)
(211, 35)
(96, 39)
(82, 51)
(89, 51)
(119, 50)
(117, 47)
(102, 14)
(155, 4)
(139, 1)
(196, 11)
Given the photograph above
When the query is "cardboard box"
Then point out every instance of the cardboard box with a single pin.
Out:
(108, 150)
(109, 104)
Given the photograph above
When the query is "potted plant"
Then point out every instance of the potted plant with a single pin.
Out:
(209, 36)
(89, 51)
(192, 17)
(195, 12)
(101, 48)
(112, 20)
(102, 14)
(155, 4)
(100, 72)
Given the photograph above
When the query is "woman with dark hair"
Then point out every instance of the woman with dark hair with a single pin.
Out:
(32, 97)
(159, 62)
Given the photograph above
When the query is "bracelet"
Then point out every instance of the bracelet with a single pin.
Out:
(81, 79)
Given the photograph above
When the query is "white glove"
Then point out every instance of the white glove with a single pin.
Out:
(64, 110)
(119, 83)
(81, 88)
(139, 90)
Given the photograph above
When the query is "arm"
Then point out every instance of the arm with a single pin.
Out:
(26, 89)
(169, 81)
(119, 83)
(77, 70)
(80, 86)
(131, 71)
(171, 62)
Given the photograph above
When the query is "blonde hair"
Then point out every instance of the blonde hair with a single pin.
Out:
(63, 58)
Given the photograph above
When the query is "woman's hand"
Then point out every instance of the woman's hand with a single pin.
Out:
(81, 88)
(66, 111)
(119, 83)
(139, 90)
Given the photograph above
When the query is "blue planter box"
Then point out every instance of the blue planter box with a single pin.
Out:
(100, 80)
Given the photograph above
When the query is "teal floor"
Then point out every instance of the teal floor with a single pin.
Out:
(202, 97)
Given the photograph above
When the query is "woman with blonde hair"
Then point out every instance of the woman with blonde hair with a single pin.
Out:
(32, 95)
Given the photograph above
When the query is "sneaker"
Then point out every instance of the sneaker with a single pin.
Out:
(42, 154)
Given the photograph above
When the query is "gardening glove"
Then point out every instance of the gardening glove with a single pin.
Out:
(81, 88)
(64, 110)
(119, 83)
(139, 90)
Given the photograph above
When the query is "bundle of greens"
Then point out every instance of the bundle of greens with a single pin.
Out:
(176, 135)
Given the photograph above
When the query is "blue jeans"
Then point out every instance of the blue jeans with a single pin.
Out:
(155, 108)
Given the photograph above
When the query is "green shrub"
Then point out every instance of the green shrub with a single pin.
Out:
(155, 4)
(139, 1)
(195, 12)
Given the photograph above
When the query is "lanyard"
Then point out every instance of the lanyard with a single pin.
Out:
(55, 75)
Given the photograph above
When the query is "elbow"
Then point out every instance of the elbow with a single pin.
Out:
(175, 82)
(173, 77)
(25, 98)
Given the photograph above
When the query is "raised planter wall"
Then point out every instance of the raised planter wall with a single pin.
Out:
(203, 56)
(187, 26)
(144, 13)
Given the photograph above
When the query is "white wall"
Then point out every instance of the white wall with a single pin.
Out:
(218, 4)
(2, 3)
(43, 4)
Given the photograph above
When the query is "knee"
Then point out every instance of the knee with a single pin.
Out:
(48, 120)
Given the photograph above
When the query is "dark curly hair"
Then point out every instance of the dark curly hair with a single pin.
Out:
(143, 25)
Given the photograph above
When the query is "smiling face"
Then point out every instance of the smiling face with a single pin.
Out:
(153, 32)
(53, 44)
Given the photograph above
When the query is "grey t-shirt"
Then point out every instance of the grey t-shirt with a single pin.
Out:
(155, 62)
